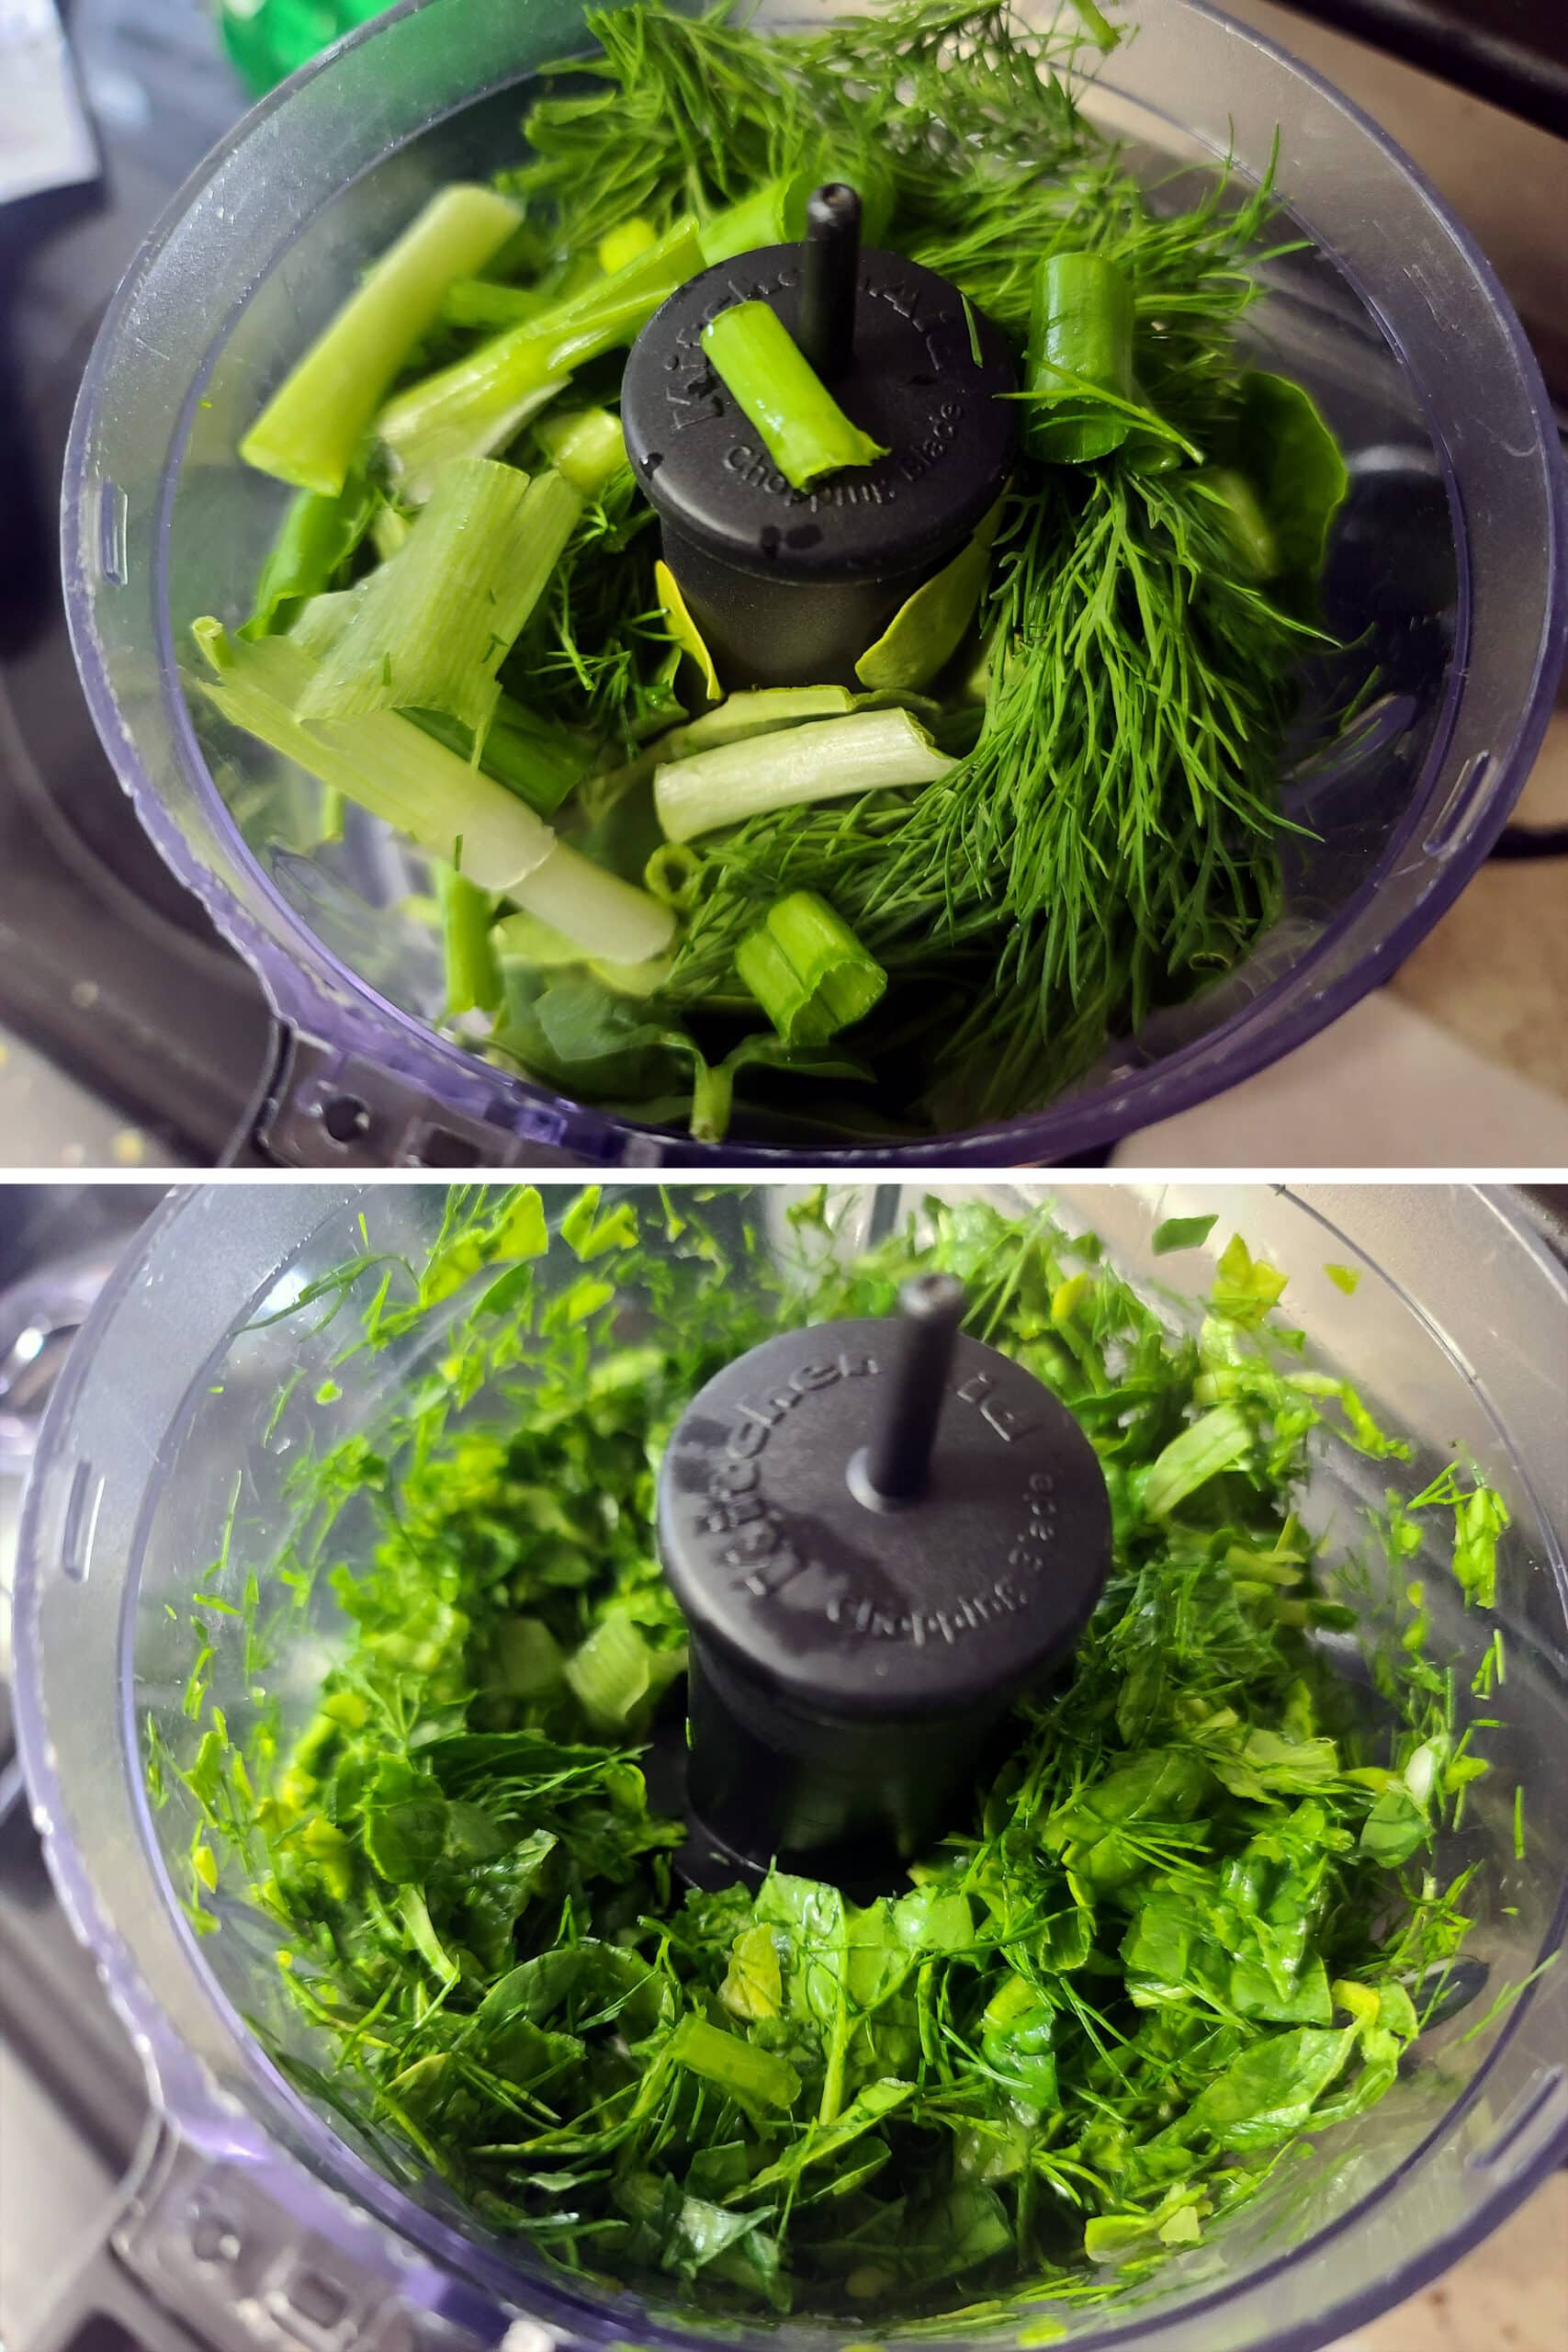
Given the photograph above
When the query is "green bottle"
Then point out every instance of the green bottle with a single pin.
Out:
(267, 39)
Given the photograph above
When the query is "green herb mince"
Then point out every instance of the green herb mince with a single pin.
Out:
(1196, 1917)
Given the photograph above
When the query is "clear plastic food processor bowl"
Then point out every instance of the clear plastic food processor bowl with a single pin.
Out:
(1446, 571)
(167, 1429)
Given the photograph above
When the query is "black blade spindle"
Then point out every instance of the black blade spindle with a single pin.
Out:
(896, 1461)
(825, 320)
(881, 1530)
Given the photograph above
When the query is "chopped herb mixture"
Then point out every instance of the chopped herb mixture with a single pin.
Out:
(1055, 807)
(1195, 1917)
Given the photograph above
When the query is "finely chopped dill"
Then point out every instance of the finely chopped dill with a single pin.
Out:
(1198, 1915)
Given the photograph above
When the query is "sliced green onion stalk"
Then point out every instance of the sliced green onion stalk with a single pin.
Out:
(773, 214)
(684, 628)
(481, 302)
(1218, 1441)
(538, 759)
(433, 626)
(929, 627)
(808, 970)
(473, 979)
(737, 2067)
(614, 922)
(380, 761)
(528, 939)
(759, 710)
(311, 430)
(385, 763)
(615, 1674)
(833, 759)
(776, 388)
(320, 623)
(1080, 348)
(474, 407)
(673, 875)
(319, 534)
(586, 444)
(440, 439)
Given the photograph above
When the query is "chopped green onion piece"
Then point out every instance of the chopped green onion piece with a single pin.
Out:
(684, 628)
(672, 874)
(473, 983)
(1217, 1442)
(380, 761)
(1080, 346)
(776, 388)
(528, 939)
(773, 214)
(586, 445)
(735, 2065)
(831, 759)
(614, 922)
(615, 1670)
(388, 765)
(311, 430)
(533, 757)
(760, 710)
(433, 626)
(479, 302)
(927, 628)
(423, 1937)
(323, 621)
(618, 246)
(319, 534)
(808, 970)
(440, 438)
(473, 407)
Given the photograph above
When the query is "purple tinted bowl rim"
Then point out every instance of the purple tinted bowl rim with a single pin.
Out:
(332, 2164)
(315, 1000)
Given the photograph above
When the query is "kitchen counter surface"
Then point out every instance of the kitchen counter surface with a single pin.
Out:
(1510, 2295)
(1494, 974)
